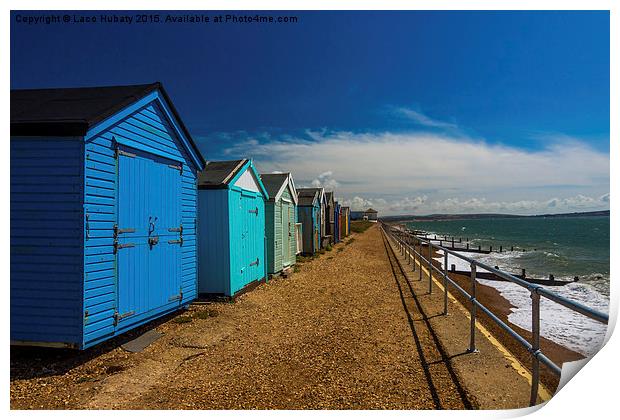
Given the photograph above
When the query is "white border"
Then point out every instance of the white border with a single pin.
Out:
(592, 394)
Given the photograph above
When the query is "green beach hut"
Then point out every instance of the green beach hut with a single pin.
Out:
(280, 221)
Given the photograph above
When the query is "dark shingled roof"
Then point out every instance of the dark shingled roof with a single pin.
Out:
(73, 111)
(307, 196)
(219, 174)
(273, 182)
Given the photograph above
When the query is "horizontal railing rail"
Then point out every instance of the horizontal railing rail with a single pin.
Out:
(407, 244)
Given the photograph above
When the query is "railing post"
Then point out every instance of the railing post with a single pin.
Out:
(445, 282)
(420, 259)
(408, 239)
(430, 267)
(472, 311)
(535, 346)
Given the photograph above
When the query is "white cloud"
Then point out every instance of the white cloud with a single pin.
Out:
(418, 173)
(421, 205)
(326, 181)
(424, 120)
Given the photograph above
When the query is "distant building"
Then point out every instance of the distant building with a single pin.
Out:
(369, 214)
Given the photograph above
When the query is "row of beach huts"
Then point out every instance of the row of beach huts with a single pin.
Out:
(117, 219)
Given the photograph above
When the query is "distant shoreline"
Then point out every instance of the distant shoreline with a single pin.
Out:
(432, 217)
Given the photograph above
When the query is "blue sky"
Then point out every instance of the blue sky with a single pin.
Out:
(411, 112)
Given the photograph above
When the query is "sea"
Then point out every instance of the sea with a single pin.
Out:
(566, 247)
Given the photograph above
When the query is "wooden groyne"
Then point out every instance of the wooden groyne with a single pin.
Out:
(452, 242)
(551, 281)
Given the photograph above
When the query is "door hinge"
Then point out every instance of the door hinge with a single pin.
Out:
(118, 317)
(118, 231)
(118, 246)
(178, 297)
(178, 167)
(121, 152)
(180, 230)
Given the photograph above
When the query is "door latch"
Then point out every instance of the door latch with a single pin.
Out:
(153, 241)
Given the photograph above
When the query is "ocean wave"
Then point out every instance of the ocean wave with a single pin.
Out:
(558, 323)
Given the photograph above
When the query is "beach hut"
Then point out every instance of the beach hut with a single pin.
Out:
(280, 221)
(345, 222)
(103, 211)
(231, 227)
(336, 222)
(329, 218)
(371, 215)
(309, 214)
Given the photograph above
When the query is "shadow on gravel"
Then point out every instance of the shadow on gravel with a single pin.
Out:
(445, 359)
(40, 362)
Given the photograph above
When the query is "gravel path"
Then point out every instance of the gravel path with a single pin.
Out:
(343, 332)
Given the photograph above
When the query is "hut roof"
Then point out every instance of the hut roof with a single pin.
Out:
(307, 196)
(74, 111)
(276, 183)
(329, 196)
(371, 210)
(273, 182)
(219, 174)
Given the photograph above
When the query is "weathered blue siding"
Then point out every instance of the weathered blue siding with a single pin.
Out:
(46, 240)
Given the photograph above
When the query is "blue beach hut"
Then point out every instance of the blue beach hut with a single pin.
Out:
(103, 212)
(231, 227)
(336, 222)
(310, 215)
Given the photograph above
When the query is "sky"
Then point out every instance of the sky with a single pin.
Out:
(406, 112)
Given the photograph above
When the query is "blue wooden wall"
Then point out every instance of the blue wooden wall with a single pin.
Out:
(46, 240)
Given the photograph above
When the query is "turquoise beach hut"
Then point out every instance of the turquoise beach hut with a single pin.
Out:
(310, 215)
(280, 221)
(231, 228)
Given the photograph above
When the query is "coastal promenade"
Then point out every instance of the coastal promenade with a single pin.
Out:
(351, 329)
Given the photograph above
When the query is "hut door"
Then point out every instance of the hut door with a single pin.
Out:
(148, 234)
(291, 232)
(286, 257)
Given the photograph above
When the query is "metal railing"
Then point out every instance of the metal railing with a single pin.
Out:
(411, 247)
